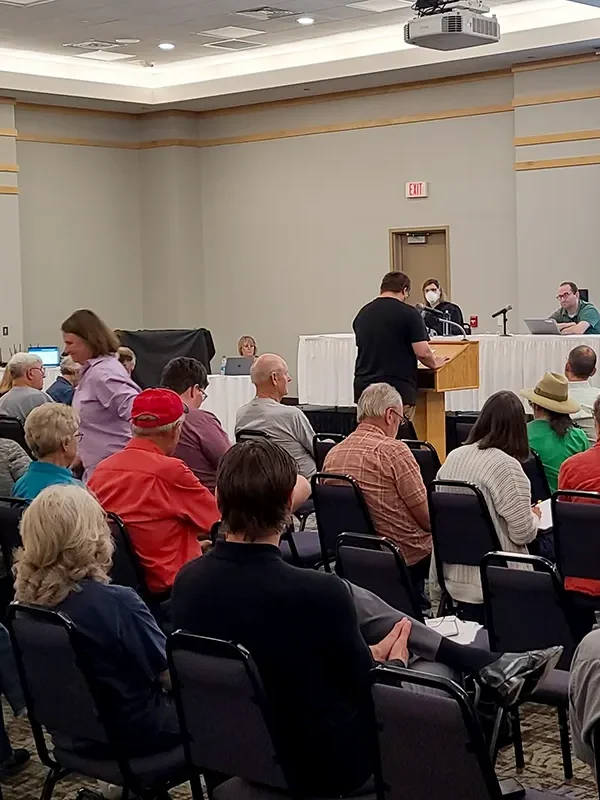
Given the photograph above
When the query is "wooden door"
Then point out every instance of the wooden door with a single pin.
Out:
(422, 255)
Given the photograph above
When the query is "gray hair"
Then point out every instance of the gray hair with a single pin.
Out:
(49, 426)
(149, 433)
(126, 354)
(69, 367)
(265, 366)
(21, 362)
(375, 400)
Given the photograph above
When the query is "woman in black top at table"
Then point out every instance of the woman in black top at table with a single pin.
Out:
(433, 294)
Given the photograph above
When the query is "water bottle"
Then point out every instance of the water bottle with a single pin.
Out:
(223, 365)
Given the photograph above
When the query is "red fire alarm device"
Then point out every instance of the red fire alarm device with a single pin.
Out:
(474, 320)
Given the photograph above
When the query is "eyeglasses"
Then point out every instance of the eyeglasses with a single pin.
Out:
(564, 295)
(41, 369)
(78, 436)
(204, 393)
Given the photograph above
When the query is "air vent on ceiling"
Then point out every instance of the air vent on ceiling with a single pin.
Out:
(266, 13)
(234, 44)
(24, 3)
(103, 55)
(93, 44)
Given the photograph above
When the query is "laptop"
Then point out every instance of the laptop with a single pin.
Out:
(49, 356)
(542, 326)
(238, 366)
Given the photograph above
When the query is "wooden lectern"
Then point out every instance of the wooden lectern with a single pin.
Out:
(460, 372)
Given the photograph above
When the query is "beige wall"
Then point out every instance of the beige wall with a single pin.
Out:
(274, 222)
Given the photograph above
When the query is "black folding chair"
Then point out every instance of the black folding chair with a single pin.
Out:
(417, 713)
(426, 457)
(464, 424)
(11, 511)
(527, 609)
(246, 433)
(126, 567)
(12, 428)
(225, 719)
(534, 469)
(340, 507)
(407, 430)
(64, 697)
(376, 564)
(322, 444)
(576, 527)
(461, 528)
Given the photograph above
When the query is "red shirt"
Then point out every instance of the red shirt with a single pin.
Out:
(581, 473)
(162, 503)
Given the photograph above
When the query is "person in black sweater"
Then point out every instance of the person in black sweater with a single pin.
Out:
(433, 295)
(309, 632)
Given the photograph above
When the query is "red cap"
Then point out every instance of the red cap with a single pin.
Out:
(153, 408)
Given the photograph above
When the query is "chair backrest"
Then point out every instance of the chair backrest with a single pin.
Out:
(464, 423)
(11, 511)
(376, 564)
(340, 507)
(246, 433)
(462, 530)
(55, 682)
(126, 567)
(576, 527)
(322, 444)
(426, 457)
(223, 714)
(430, 743)
(525, 609)
(12, 428)
(534, 469)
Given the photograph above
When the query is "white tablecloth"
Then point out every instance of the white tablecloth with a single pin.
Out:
(326, 366)
(225, 394)
(52, 374)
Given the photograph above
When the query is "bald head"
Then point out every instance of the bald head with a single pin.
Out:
(270, 375)
(581, 364)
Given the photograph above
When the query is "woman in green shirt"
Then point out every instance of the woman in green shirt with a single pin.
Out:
(553, 434)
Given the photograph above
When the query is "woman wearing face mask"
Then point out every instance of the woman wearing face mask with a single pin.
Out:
(433, 295)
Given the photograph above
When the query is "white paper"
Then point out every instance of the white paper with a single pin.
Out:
(546, 519)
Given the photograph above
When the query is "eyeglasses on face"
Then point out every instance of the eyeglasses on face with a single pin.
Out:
(563, 295)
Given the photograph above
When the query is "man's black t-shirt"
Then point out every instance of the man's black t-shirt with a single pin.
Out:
(386, 330)
(301, 628)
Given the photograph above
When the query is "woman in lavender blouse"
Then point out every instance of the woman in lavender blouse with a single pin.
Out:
(105, 392)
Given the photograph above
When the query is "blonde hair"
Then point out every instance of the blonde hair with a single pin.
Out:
(65, 539)
(247, 340)
(126, 355)
(49, 426)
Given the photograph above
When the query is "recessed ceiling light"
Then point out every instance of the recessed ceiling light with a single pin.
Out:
(305, 21)
(166, 46)
(128, 41)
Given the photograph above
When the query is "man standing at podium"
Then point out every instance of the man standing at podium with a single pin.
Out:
(391, 338)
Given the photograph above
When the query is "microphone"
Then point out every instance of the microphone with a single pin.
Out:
(425, 309)
(502, 311)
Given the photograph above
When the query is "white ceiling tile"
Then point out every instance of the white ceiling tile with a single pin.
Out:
(232, 32)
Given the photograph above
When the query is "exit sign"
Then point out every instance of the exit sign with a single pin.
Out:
(417, 189)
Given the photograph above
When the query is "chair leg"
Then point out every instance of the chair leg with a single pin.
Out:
(517, 739)
(496, 734)
(52, 778)
(565, 742)
(195, 786)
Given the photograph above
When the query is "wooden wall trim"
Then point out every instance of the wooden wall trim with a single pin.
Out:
(557, 163)
(553, 63)
(555, 138)
(271, 135)
(9, 168)
(561, 97)
(75, 111)
(8, 132)
(9, 190)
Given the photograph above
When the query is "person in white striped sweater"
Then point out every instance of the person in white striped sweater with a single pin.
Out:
(492, 460)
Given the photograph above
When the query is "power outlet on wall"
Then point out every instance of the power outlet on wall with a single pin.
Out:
(5, 330)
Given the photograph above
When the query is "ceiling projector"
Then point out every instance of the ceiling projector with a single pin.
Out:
(442, 25)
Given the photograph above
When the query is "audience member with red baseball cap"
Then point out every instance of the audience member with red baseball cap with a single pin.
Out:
(164, 506)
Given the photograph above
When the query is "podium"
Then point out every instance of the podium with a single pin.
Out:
(461, 371)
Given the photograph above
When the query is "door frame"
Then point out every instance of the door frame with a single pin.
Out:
(445, 229)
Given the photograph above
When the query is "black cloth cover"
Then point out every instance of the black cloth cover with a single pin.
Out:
(153, 349)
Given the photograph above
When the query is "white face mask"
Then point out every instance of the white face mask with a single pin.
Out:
(432, 296)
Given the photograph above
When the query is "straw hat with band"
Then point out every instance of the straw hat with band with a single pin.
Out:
(552, 393)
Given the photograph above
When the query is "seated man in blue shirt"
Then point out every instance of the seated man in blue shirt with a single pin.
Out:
(63, 388)
(575, 316)
(51, 433)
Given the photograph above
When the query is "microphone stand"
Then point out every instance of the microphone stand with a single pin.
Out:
(504, 324)
(447, 322)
